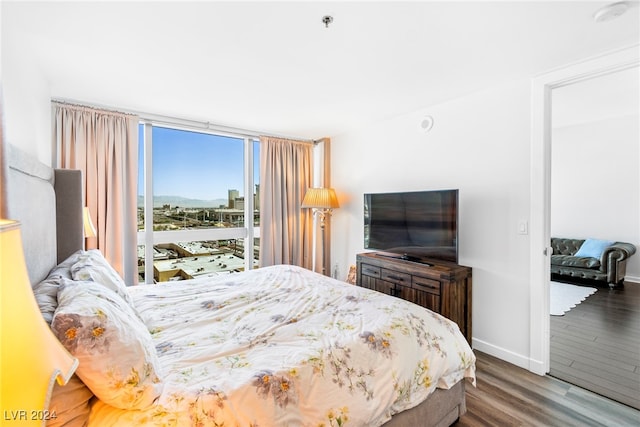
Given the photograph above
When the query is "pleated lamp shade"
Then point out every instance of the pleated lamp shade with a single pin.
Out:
(32, 357)
(89, 228)
(320, 198)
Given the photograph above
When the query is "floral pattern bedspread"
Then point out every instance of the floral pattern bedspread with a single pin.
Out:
(283, 346)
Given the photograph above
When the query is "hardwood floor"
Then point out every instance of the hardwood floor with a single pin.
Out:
(596, 345)
(507, 395)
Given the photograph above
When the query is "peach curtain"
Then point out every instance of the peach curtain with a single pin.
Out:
(104, 146)
(285, 229)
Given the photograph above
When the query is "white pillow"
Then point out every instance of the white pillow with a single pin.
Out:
(46, 291)
(117, 358)
(92, 265)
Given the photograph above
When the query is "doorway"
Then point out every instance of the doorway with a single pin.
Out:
(540, 251)
(595, 183)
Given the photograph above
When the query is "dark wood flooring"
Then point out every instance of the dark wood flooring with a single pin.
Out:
(507, 395)
(596, 345)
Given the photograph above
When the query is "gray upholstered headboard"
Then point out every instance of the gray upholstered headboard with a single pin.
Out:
(48, 203)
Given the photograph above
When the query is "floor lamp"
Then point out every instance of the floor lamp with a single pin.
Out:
(322, 201)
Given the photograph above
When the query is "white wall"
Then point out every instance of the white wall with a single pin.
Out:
(26, 97)
(595, 183)
(479, 144)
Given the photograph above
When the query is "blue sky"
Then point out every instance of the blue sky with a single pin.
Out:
(195, 165)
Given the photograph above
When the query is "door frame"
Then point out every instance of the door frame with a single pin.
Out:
(540, 205)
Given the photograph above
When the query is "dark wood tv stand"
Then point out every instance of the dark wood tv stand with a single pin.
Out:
(440, 286)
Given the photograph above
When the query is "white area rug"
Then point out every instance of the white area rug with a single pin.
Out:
(564, 297)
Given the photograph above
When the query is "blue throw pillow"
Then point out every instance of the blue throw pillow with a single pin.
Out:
(593, 248)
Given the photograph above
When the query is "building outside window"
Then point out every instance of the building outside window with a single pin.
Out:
(195, 191)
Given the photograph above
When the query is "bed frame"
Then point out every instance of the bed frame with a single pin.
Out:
(39, 196)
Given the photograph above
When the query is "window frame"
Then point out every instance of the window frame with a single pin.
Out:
(148, 237)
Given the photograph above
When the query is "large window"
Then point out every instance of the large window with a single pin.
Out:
(195, 192)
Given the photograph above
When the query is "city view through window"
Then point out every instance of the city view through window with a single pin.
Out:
(199, 204)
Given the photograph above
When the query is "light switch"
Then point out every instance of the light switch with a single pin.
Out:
(523, 227)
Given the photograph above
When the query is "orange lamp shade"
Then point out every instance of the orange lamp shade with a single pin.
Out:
(32, 357)
(320, 198)
(89, 228)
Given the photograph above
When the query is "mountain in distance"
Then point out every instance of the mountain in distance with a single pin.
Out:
(183, 202)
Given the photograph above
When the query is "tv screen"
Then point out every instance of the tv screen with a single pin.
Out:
(415, 225)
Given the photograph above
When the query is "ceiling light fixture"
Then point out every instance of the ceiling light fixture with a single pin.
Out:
(611, 11)
(326, 20)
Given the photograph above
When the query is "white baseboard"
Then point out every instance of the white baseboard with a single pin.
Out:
(634, 279)
(519, 360)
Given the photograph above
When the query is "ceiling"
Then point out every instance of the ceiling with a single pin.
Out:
(274, 67)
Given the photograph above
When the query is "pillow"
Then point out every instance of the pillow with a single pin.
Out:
(63, 269)
(92, 266)
(70, 404)
(117, 357)
(46, 291)
(593, 248)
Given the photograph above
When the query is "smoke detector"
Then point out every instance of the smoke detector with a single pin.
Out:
(611, 11)
(426, 124)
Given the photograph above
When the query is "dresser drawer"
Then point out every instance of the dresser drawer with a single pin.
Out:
(426, 285)
(371, 270)
(395, 277)
(442, 287)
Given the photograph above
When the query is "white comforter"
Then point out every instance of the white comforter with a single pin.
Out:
(283, 346)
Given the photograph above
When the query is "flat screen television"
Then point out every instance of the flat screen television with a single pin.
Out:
(415, 225)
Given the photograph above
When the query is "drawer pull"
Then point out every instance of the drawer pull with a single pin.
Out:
(427, 285)
(392, 277)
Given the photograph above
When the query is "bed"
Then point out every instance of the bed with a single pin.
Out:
(275, 346)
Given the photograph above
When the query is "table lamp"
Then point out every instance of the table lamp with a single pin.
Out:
(32, 357)
(89, 228)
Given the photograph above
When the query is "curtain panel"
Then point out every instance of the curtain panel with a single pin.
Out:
(104, 146)
(286, 172)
